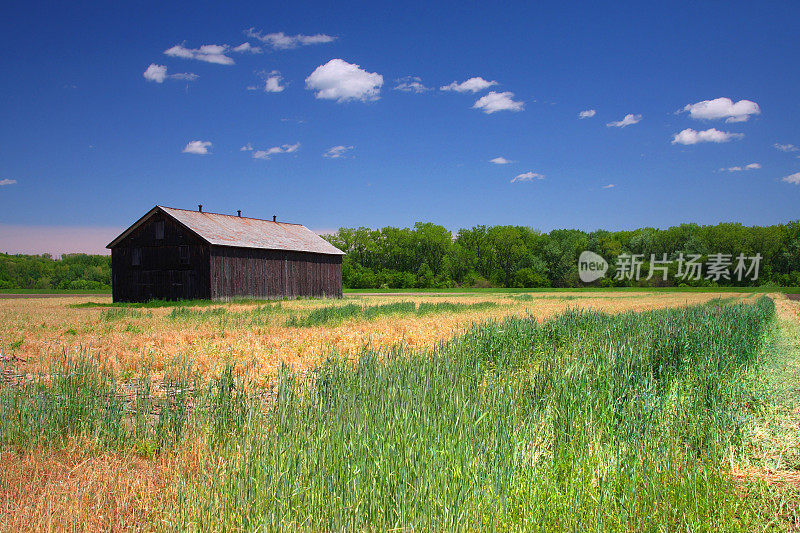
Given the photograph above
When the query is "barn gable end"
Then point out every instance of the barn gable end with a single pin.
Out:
(159, 258)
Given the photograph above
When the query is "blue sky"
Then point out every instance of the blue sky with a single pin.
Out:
(88, 142)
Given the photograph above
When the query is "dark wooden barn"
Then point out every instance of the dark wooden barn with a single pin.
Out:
(174, 254)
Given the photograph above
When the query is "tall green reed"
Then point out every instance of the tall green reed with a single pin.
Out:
(588, 420)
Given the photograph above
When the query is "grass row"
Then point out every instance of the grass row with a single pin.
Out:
(225, 317)
(261, 315)
(335, 314)
(586, 421)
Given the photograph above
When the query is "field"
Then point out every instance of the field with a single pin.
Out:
(483, 411)
(253, 336)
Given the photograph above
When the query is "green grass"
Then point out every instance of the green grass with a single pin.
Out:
(79, 397)
(336, 314)
(426, 308)
(780, 410)
(188, 313)
(584, 422)
(109, 315)
(226, 317)
(771, 442)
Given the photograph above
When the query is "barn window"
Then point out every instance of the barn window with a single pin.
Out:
(136, 256)
(159, 229)
(184, 253)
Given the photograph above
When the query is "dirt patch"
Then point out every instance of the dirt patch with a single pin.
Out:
(787, 307)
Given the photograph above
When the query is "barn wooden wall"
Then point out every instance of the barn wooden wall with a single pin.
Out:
(161, 273)
(248, 272)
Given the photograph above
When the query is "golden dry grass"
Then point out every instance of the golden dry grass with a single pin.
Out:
(49, 327)
(787, 309)
(75, 490)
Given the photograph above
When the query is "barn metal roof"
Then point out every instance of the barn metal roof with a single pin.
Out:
(244, 232)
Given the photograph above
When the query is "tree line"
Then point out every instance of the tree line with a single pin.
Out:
(430, 256)
(70, 272)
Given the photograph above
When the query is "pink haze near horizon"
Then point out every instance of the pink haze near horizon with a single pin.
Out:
(59, 240)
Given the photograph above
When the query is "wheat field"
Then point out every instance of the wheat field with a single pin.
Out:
(126, 339)
(542, 411)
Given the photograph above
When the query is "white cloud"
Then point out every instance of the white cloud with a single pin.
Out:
(609, 186)
(246, 148)
(690, 136)
(723, 108)
(269, 152)
(272, 82)
(528, 176)
(210, 53)
(500, 161)
(156, 73)
(472, 85)
(197, 147)
(337, 152)
(342, 81)
(319, 38)
(751, 166)
(411, 84)
(494, 102)
(786, 147)
(589, 113)
(7, 181)
(281, 41)
(273, 85)
(626, 121)
(247, 48)
(794, 179)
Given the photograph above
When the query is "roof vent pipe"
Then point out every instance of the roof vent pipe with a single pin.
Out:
(274, 218)
(200, 207)
(238, 212)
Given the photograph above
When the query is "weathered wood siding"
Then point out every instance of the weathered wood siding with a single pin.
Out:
(172, 264)
(250, 272)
